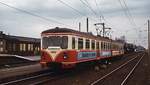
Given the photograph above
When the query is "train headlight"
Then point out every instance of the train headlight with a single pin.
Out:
(65, 55)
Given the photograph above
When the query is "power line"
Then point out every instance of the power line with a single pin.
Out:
(76, 10)
(129, 12)
(71, 7)
(27, 12)
(103, 17)
(88, 6)
(99, 10)
(125, 12)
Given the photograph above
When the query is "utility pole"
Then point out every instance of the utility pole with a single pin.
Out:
(149, 39)
(103, 24)
(80, 26)
(87, 24)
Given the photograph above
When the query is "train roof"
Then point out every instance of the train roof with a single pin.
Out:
(67, 30)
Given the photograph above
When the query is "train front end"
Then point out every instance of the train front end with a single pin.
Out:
(55, 52)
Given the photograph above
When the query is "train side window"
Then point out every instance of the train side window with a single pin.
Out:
(93, 44)
(109, 46)
(73, 43)
(87, 44)
(101, 45)
(97, 45)
(80, 43)
(106, 46)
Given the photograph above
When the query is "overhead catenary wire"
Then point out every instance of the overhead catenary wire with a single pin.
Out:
(80, 13)
(76, 10)
(128, 15)
(99, 11)
(95, 13)
(30, 13)
(101, 14)
(129, 12)
(125, 12)
(88, 6)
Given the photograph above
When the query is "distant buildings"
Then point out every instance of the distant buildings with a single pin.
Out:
(18, 45)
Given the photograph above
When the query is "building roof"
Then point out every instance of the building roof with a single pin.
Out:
(23, 39)
(18, 38)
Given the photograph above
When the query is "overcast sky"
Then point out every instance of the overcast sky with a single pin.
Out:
(14, 22)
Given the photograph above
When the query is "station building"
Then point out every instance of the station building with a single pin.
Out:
(18, 45)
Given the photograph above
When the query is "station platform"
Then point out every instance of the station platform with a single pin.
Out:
(30, 58)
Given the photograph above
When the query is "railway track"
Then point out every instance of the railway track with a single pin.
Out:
(25, 80)
(39, 79)
(36, 79)
(120, 75)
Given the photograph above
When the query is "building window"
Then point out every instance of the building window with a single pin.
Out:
(80, 43)
(31, 47)
(20, 47)
(38, 48)
(93, 44)
(1, 49)
(73, 43)
(87, 44)
(1, 42)
(24, 47)
(14, 47)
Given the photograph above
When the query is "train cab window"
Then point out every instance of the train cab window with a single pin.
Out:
(97, 45)
(80, 43)
(93, 44)
(73, 43)
(55, 41)
(87, 44)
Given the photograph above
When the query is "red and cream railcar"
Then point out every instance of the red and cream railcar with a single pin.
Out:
(66, 47)
(117, 48)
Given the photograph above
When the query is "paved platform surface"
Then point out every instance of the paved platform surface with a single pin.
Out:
(30, 58)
